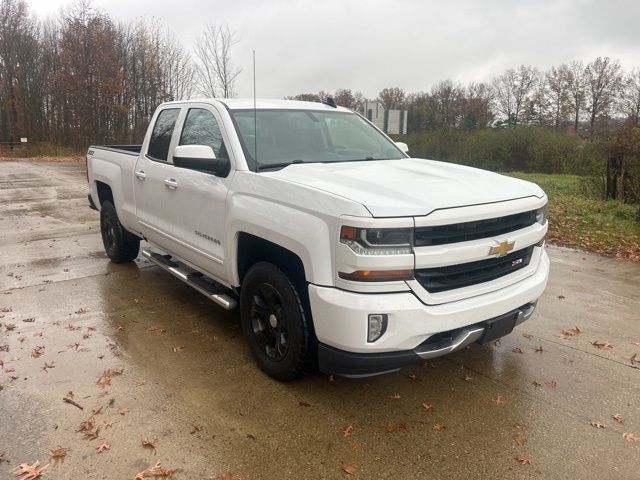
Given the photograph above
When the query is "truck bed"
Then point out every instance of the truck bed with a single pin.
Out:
(126, 149)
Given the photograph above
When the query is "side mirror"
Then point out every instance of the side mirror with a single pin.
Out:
(201, 158)
(403, 147)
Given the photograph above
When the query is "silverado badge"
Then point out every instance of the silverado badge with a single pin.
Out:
(502, 249)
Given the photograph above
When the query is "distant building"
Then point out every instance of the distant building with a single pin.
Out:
(389, 121)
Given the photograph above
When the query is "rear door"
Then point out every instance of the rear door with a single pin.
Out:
(195, 206)
(152, 171)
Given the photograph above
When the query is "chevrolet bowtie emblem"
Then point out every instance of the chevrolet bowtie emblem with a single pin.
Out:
(502, 249)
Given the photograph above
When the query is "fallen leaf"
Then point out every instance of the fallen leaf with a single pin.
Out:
(468, 378)
(2, 457)
(48, 365)
(569, 332)
(602, 345)
(37, 351)
(30, 472)
(517, 350)
(439, 426)
(81, 311)
(630, 437)
(413, 378)
(121, 328)
(72, 328)
(107, 424)
(331, 378)
(347, 431)
(519, 439)
(102, 447)
(561, 297)
(149, 443)
(156, 328)
(395, 396)
(499, 400)
(595, 424)
(196, 428)
(350, 469)
(539, 349)
(177, 349)
(392, 427)
(427, 407)
(523, 460)
(527, 336)
(637, 344)
(618, 418)
(123, 410)
(634, 359)
(304, 404)
(156, 470)
(29, 320)
(519, 426)
(551, 384)
(355, 445)
(69, 394)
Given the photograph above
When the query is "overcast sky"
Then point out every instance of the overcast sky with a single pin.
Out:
(366, 45)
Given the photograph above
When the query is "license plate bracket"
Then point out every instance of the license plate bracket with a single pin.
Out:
(499, 327)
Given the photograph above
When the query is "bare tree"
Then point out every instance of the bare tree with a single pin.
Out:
(215, 72)
(447, 98)
(603, 81)
(557, 93)
(391, 98)
(478, 106)
(514, 91)
(577, 90)
(630, 101)
(349, 99)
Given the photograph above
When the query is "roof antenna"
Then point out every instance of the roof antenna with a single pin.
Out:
(331, 102)
(255, 115)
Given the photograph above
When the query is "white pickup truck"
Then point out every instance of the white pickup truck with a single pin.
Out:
(343, 252)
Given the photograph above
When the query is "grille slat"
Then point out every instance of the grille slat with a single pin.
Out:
(440, 279)
(462, 232)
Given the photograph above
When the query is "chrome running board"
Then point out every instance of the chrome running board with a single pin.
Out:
(196, 280)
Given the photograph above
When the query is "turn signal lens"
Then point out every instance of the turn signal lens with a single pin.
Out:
(377, 275)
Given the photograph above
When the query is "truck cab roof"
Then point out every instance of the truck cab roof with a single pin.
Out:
(262, 103)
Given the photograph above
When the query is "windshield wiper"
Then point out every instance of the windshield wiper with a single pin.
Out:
(281, 165)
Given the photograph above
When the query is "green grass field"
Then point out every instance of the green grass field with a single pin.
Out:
(577, 220)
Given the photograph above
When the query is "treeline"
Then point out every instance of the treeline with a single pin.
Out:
(584, 98)
(82, 78)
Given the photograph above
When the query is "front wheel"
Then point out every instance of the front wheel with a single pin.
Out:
(275, 323)
(120, 245)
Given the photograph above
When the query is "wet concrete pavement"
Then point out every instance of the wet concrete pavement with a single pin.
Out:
(189, 382)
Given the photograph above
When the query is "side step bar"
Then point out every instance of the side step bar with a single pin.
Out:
(208, 287)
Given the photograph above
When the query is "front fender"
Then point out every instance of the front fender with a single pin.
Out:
(310, 236)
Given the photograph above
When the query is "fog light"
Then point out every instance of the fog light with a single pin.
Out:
(377, 326)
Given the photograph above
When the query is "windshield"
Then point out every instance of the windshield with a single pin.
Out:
(309, 136)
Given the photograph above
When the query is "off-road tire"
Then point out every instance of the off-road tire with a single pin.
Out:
(120, 245)
(261, 281)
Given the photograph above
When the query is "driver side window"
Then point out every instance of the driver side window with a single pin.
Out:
(201, 128)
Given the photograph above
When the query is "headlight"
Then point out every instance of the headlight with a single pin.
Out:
(378, 241)
(541, 215)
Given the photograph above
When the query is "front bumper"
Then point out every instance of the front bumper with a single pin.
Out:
(340, 317)
(348, 364)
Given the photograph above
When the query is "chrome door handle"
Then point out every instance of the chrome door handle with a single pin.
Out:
(140, 175)
(171, 183)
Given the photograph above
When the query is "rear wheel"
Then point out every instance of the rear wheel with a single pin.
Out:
(275, 323)
(120, 245)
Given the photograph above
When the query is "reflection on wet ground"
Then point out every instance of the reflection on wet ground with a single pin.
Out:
(187, 380)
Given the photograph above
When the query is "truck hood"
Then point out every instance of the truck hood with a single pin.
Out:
(408, 187)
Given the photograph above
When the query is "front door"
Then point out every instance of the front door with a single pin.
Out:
(196, 202)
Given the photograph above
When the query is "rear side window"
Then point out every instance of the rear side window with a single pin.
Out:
(161, 135)
(201, 128)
